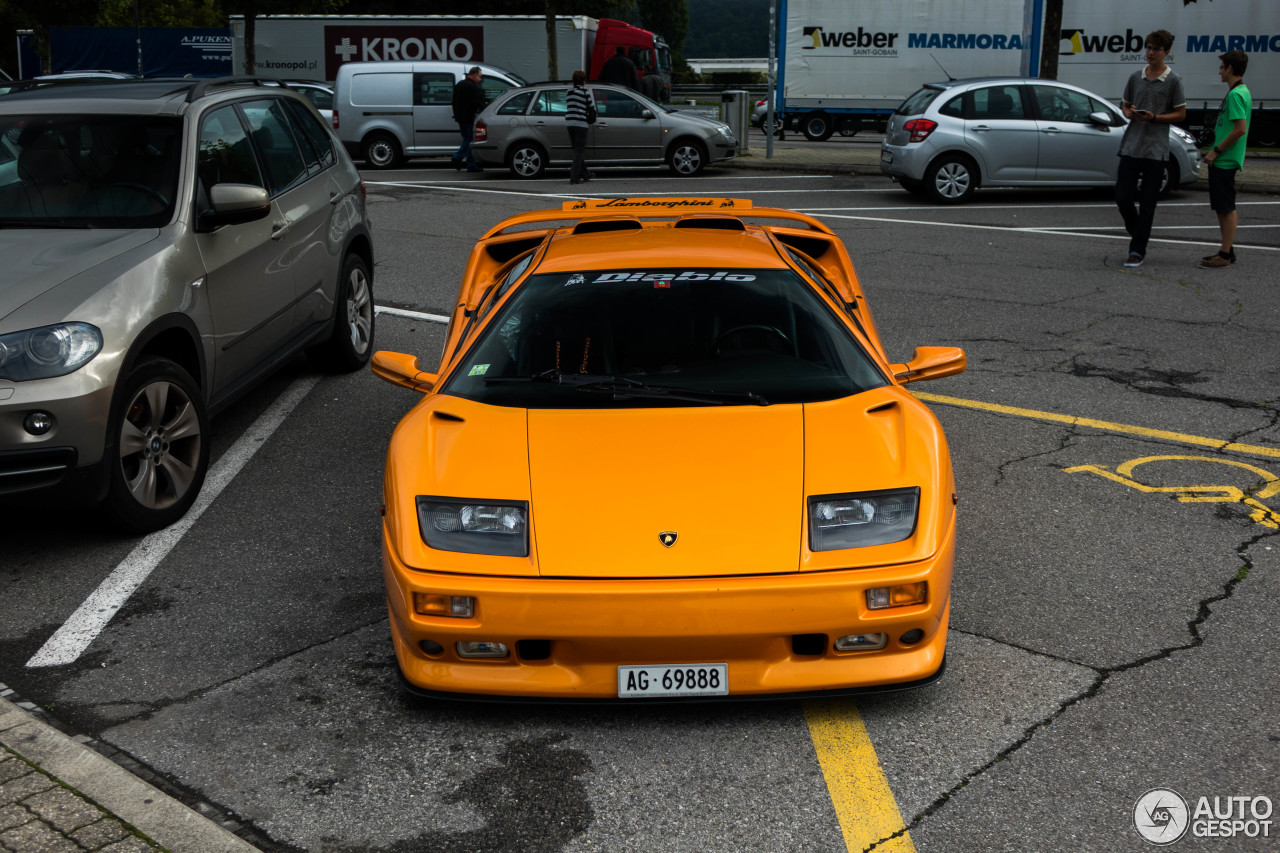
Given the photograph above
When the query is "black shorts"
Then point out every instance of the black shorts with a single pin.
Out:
(1222, 189)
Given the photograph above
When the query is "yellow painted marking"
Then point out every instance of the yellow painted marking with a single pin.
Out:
(863, 802)
(1109, 426)
(1269, 487)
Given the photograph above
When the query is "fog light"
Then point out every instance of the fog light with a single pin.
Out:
(911, 637)
(901, 595)
(434, 604)
(861, 642)
(430, 647)
(481, 649)
(38, 423)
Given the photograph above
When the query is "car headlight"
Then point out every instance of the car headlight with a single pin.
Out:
(859, 519)
(500, 528)
(724, 131)
(1183, 135)
(48, 351)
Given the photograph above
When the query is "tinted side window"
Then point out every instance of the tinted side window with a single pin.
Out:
(1058, 104)
(317, 145)
(998, 102)
(433, 89)
(613, 104)
(550, 103)
(226, 155)
(273, 137)
(516, 105)
(953, 107)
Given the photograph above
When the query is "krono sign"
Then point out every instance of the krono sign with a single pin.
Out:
(389, 44)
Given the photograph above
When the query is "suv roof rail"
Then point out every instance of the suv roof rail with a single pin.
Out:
(200, 88)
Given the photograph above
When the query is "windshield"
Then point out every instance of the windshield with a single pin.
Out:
(638, 338)
(89, 171)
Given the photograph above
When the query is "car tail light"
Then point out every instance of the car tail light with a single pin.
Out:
(334, 120)
(482, 132)
(919, 128)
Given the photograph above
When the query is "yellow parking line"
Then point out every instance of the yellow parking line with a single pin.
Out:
(863, 802)
(1109, 426)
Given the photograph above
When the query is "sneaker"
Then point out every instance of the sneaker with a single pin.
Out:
(1216, 262)
(1231, 258)
(1134, 260)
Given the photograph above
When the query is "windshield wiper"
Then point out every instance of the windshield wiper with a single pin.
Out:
(625, 389)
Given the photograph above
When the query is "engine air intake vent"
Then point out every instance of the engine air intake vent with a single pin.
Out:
(721, 223)
(596, 226)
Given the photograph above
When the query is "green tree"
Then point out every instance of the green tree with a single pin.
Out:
(668, 18)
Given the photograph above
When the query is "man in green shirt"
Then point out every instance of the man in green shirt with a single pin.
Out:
(1227, 155)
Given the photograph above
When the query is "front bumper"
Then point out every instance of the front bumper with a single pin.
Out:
(591, 627)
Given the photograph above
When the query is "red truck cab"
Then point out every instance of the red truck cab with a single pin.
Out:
(643, 48)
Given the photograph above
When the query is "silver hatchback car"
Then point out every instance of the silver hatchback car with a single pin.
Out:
(950, 138)
(166, 244)
(524, 130)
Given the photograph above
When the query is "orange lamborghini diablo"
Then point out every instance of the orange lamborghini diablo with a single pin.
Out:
(665, 456)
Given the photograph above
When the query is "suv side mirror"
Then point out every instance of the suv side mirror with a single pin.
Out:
(233, 204)
(930, 363)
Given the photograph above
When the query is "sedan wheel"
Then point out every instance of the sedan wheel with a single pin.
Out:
(528, 161)
(687, 158)
(161, 455)
(952, 179)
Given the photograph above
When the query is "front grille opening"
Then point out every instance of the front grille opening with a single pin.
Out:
(533, 649)
(21, 470)
(808, 644)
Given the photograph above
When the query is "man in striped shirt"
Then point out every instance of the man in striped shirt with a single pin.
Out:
(577, 102)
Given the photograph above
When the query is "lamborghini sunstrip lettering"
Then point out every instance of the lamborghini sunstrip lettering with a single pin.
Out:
(1268, 486)
(668, 203)
(660, 277)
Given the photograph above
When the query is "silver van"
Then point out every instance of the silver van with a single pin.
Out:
(385, 112)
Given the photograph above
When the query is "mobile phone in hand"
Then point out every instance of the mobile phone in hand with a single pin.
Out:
(1143, 112)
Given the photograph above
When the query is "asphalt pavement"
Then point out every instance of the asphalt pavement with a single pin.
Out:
(63, 791)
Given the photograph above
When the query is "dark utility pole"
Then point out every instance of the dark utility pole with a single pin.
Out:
(1052, 42)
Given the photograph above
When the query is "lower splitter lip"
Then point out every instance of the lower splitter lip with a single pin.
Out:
(835, 693)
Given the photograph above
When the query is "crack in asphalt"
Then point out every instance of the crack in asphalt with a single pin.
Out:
(1160, 383)
(1102, 676)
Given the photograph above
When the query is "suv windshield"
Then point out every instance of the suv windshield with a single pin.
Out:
(686, 337)
(88, 171)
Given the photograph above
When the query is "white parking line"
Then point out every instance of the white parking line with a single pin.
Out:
(75, 635)
(412, 315)
(1037, 230)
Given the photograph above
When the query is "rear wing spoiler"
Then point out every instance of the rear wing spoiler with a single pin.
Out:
(655, 208)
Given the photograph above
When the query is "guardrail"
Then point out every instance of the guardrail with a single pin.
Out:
(682, 92)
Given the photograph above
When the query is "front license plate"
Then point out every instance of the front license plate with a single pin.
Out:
(687, 679)
(886, 157)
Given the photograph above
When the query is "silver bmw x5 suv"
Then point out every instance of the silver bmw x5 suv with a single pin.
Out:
(166, 244)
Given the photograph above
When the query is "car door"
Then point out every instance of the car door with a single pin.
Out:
(621, 131)
(546, 121)
(1001, 132)
(433, 124)
(248, 276)
(1072, 148)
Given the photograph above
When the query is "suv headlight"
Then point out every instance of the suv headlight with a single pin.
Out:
(859, 519)
(48, 351)
(500, 528)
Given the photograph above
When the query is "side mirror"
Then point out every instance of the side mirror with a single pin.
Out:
(930, 363)
(1102, 119)
(646, 114)
(234, 204)
(401, 369)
